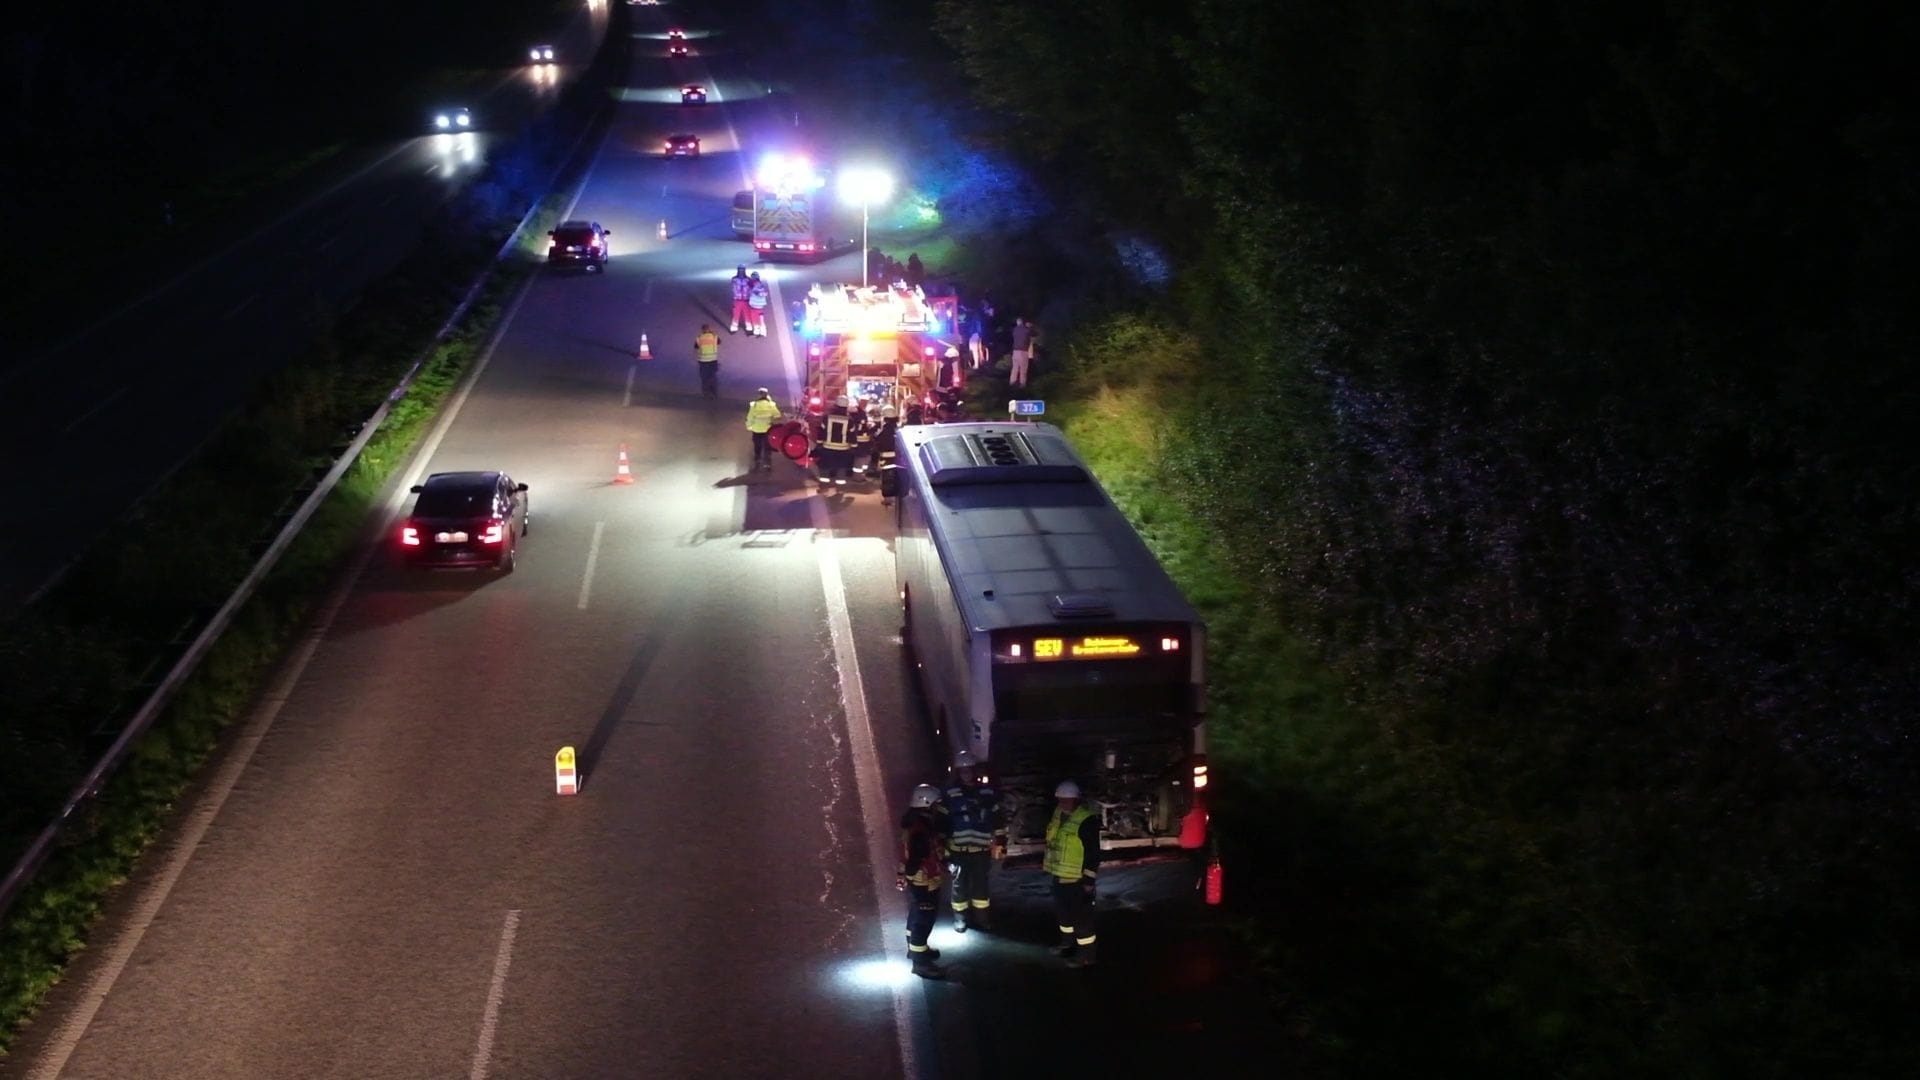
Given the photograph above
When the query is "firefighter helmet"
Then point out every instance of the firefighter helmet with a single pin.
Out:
(924, 795)
(1067, 790)
(889, 413)
(964, 760)
(840, 402)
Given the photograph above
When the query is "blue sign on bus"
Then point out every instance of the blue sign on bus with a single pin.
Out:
(1027, 408)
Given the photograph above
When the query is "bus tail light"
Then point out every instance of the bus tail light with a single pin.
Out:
(1199, 775)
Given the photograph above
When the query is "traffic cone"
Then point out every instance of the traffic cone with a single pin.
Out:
(645, 352)
(622, 470)
(663, 228)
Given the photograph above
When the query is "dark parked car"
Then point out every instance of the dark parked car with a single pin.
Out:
(683, 146)
(693, 94)
(578, 243)
(468, 520)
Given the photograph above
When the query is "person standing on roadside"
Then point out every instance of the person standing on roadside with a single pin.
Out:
(923, 856)
(762, 414)
(742, 287)
(1072, 861)
(976, 838)
(758, 297)
(706, 356)
(1022, 350)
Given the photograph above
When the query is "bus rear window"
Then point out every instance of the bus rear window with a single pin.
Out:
(1089, 691)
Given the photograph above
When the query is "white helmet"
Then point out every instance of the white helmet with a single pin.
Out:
(841, 401)
(964, 760)
(1067, 790)
(924, 795)
(889, 413)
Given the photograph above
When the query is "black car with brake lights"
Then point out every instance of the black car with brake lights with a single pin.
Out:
(693, 94)
(683, 146)
(466, 520)
(578, 243)
(676, 47)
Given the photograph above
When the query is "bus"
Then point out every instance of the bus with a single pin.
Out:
(1047, 638)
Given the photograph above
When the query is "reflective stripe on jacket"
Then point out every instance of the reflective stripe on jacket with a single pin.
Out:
(757, 297)
(973, 817)
(1066, 853)
(838, 436)
(762, 415)
(707, 345)
(741, 287)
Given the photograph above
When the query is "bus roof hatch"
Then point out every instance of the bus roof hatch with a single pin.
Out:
(1079, 606)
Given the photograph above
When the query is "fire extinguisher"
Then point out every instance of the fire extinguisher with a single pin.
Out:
(1213, 879)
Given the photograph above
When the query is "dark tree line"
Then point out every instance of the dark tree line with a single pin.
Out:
(1559, 393)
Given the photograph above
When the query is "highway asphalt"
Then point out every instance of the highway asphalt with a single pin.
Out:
(377, 879)
(119, 402)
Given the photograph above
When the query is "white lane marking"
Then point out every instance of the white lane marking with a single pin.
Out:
(239, 307)
(593, 558)
(103, 403)
(646, 294)
(255, 730)
(909, 1010)
(626, 399)
(496, 992)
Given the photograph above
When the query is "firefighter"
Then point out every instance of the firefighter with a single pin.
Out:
(1072, 861)
(742, 288)
(836, 444)
(863, 424)
(758, 297)
(976, 839)
(886, 438)
(762, 414)
(706, 355)
(922, 867)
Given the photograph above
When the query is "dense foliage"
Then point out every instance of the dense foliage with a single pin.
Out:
(1555, 399)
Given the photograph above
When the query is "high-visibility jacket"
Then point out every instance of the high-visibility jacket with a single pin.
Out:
(741, 286)
(973, 817)
(923, 853)
(1069, 854)
(762, 415)
(707, 346)
(838, 434)
(758, 296)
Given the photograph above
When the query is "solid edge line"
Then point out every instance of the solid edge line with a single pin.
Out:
(909, 1010)
(54, 1061)
(496, 993)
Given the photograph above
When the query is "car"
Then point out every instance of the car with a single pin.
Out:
(578, 243)
(676, 33)
(693, 94)
(541, 54)
(683, 146)
(458, 119)
(676, 47)
(466, 520)
(743, 214)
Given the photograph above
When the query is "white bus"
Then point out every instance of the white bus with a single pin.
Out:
(1048, 639)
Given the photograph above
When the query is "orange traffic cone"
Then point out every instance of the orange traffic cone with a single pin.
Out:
(663, 228)
(622, 470)
(645, 352)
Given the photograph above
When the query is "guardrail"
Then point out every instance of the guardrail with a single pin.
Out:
(36, 853)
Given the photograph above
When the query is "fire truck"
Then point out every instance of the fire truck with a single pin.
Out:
(877, 346)
(789, 212)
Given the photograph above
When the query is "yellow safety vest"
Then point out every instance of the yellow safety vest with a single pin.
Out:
(762, 415)
(708, 345)
(1065, 853)
(836, 435)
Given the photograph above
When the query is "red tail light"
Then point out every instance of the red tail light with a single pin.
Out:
(496, 532)
(410, 536)
(806, 247)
